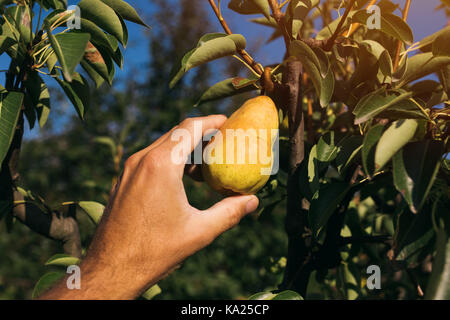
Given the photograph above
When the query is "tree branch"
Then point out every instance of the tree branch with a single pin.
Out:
(399, 45)
(332, 39)
(52, 225)
(247, 58)
(297, 273)
(279, 18)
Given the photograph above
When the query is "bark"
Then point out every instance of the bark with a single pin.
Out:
(297, 271)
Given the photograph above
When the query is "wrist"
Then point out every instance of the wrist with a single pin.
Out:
(108, 281)
(98, 281)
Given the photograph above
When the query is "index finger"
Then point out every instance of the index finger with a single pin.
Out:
(189, 134)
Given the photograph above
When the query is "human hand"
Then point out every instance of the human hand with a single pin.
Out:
(149, 227)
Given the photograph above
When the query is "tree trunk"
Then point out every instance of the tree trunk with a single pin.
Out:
(297, 269)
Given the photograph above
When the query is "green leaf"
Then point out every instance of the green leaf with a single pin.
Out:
(125, 32)
(393, 139)
(78, 93)
(98, 37)
(376, 102)
(93, 209)
(327, 89)
(304, 52)
(366, 71)
(383, 57)
(327, 148)
(40, 96)
(43, 106)
(422, 65)
(51, 61)
(10, 106)
(415, 169)
(298, 11)
(324, 203)
(328, 30)
(444, 77)
(126, 11)
(103, 16)
(250, 7)
(60, 16)
(46, 282)
(20, 18)
(262, 296)
(390, 24)
(107, 141)
(69, 48)
(313, 170)
(287, 295)
(369, 146)
(426, 44)
(263, 21)
(275, 35)
(439, 284)
(29, 111)
(311, 64)
(62, 260)
(99, 60)
(152, 292)
(440, 45)
(55, 4)
(5, 2)
(210, 47)
(93, 74)
(349, 149)
(5, 43)
(406, 110)
(415, 231)
(223, 89)
(347, 282)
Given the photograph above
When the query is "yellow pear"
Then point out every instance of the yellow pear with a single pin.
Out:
(239, 158)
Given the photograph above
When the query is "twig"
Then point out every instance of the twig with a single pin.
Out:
(247, 58)
(399, 45)
(416, 284)
(336, 33)
(267, 82)
(279, 18)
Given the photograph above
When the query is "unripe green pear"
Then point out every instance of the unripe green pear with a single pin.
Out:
(239, 158)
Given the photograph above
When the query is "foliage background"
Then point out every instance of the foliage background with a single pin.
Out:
(64, 162)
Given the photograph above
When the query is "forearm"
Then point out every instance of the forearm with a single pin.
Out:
(97, 283)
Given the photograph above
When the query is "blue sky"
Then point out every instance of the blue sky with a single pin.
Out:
(423, 19)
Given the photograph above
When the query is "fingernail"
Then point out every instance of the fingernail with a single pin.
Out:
(252, 205)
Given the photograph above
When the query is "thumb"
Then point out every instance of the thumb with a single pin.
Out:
(226, 214)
